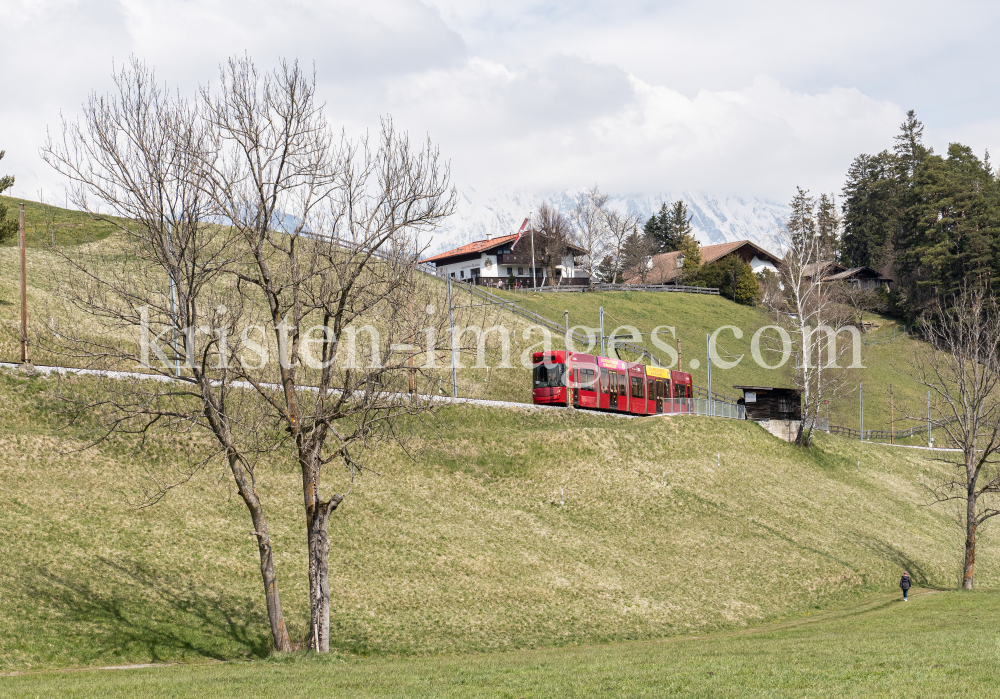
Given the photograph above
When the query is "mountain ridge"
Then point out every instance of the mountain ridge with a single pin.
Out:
(715, 219)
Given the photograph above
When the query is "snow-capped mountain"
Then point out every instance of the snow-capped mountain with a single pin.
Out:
(714, 219)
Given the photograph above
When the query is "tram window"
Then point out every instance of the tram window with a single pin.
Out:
(604, 380)
(587, 377)
(636, 387)
(651, 389)
(548, 375)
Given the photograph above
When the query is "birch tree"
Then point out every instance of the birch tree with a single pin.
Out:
(812, 317)
(590, 228)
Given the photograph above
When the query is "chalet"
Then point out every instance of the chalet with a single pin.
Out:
(858, 277)
(495, 260)
(777, 410)
(666, 267)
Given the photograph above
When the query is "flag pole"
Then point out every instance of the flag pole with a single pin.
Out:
(534, 276)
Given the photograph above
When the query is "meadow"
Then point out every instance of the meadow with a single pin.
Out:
(936, 645)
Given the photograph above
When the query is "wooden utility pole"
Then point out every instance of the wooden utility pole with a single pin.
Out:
(892, 419)
(25, 353)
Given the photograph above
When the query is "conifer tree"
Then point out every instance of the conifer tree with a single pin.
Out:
(679, 225)
(668, 227)
(802, 223)
(872, 209)
(828, 222)
(656, 229)
(956, 240)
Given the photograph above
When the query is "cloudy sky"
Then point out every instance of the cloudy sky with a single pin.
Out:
(641, 97)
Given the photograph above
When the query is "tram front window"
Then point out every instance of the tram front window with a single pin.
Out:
(549, 375)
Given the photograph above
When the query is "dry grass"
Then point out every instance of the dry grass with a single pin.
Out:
(467, 548)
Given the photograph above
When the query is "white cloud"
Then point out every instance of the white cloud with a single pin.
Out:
(641, 97)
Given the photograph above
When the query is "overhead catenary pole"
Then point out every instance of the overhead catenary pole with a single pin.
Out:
(708, 354)
(604, 352)
(569, 370)
(451, 335)
(25, 351)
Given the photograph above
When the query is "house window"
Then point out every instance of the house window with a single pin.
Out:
(462, 273)
(520, 271)
(784, 404)
(452, 274)
(510, 271)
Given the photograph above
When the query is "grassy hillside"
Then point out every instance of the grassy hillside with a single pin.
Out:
(45, 224)
(937, 645)
(885, 353)
(512, 530)
(885, 356)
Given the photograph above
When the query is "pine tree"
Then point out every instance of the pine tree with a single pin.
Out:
(956, 240)
(656, 229)
(678, 226)
(828, 222)
(8, 227)
(872, 210)
(801, 224)
(910, 149)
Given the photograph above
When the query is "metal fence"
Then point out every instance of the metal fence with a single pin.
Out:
(657, 287)
(703, 407)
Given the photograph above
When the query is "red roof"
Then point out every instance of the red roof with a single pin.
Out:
(711, 253)
(478, 246)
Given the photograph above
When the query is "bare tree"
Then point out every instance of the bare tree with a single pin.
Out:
(620, 227)
(860, 300)
(960, 365)
(591, 228)
(813, 319)
(252, 232)
(637, 254)
(552, 238)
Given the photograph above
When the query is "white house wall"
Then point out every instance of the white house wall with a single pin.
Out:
(488, 268)
(758, 265)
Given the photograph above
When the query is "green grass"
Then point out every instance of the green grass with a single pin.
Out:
(936, 645)
(45, 225)
(669, 527)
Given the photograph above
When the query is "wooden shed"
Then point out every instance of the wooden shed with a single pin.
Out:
(771, 402)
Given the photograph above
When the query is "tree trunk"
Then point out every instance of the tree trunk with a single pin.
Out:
(319, 581)
(279, 633)
(317, 523)
(970, 542)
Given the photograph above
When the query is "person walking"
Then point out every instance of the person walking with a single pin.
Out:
(904, 585)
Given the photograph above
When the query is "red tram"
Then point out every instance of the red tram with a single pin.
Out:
(599, 383)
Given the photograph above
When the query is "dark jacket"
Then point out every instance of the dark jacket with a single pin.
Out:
(904, 582)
